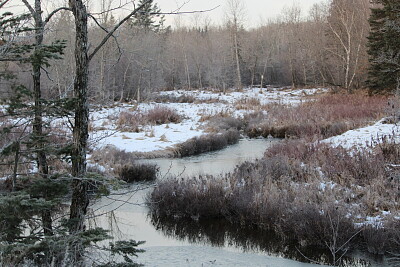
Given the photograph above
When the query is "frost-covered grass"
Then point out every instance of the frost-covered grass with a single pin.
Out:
(315, 195)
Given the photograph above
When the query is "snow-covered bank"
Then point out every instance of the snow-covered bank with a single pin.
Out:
(153, 138)
(367, 136)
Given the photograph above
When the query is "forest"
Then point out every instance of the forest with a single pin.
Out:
(82, 86)
(327, 47)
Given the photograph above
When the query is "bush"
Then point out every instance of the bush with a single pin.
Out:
(207, 143)
(131, 121)
(327, 116)
(138, 172)
(225, 123)
(128, 121)
(161, 115)
(111, 156)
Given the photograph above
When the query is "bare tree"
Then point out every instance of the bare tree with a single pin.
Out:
(348, 28)
(235, 16)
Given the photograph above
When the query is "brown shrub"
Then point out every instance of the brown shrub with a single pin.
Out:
(247, 103)
(311, 194)
(225, 123)
(111, 156)
(137, 172)
(128, 121)
(327, 116)
(221, 114)
(160, 115)
(207, 143)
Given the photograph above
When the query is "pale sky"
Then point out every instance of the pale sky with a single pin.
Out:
(256, 10)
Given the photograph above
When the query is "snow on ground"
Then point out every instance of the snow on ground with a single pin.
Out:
(151, 137)
(161, 137)
(265, 95)
(366, 136)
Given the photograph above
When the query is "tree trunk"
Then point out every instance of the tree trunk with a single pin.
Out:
(236, 46)
(38, 137)
(80, 198)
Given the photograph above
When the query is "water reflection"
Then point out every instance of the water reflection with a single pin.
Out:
(220, 233)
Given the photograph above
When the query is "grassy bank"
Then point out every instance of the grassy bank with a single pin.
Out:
(313, 195)
(327, 116)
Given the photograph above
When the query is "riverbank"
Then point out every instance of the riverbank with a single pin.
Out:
(127, 127)
(312, 192)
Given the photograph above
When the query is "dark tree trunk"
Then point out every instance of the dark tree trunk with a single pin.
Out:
(80, 198)
(38, 117)
(38, 137)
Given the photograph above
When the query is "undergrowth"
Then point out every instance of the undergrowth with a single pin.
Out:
(324, 117)
(314, 195)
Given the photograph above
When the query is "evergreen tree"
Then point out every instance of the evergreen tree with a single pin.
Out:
(384, 46)
(149, 17)
(28, 234)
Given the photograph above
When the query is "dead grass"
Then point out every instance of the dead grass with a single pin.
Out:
(161, 115)
(134, 121)
(310, 194)
(251, 103)
(327, 116)
(130, 121)
(206, 116)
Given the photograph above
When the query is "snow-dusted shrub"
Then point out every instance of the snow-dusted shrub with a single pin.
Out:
(207, 143)
(310, 194)
(225, 123)
(137, 172)
(384, 237)
(377, 239)
(130, 121)
(111, 156)
(161, 115)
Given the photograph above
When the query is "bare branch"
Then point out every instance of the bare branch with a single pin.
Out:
(184, 12)
(55, 12)
(109, 10)
(3, 3)
(113, 36)
(29, 7)
(136, 10)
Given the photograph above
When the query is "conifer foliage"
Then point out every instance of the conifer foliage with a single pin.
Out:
(384, 45)
(149, 17)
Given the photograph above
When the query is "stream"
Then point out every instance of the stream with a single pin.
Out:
(188, 243)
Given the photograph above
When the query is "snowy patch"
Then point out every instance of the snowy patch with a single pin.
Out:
(366, 136)
(161, 137)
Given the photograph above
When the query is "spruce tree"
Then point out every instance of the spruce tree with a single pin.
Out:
(149, 17)
(384, 46)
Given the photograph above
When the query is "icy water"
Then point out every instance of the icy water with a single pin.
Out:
(188, 243)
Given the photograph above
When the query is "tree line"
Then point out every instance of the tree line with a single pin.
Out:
(327, 47)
